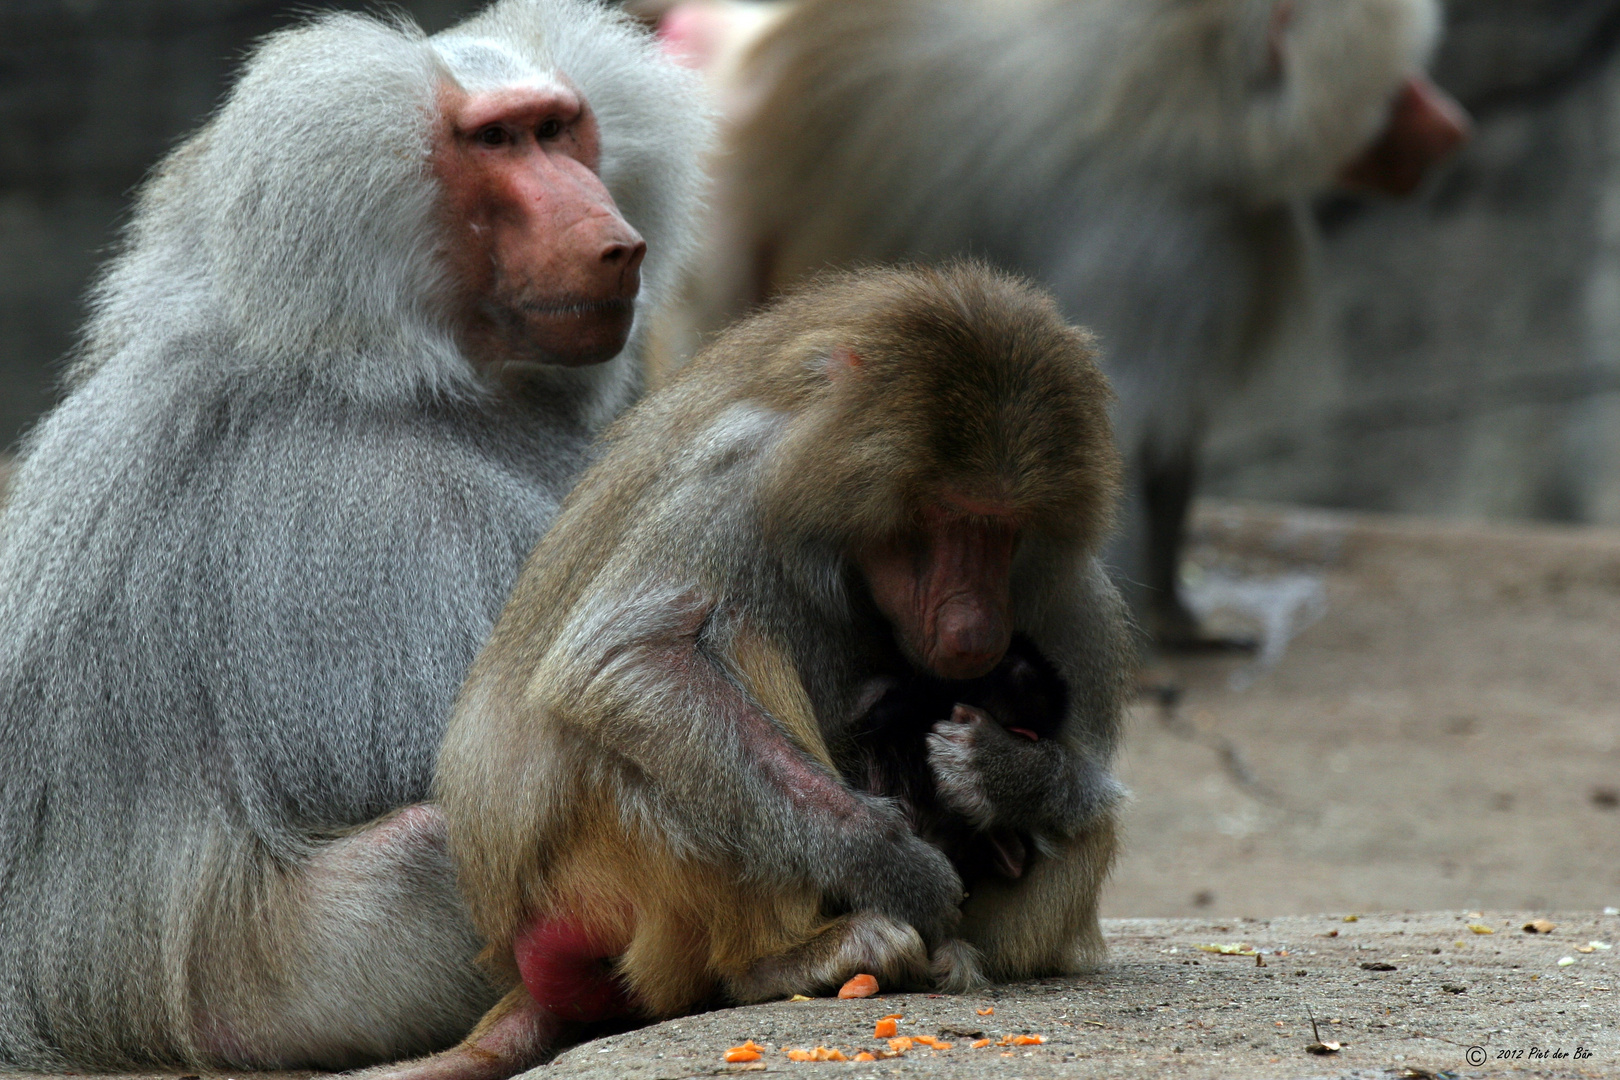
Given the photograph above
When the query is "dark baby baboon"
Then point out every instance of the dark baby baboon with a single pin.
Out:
(916, 719)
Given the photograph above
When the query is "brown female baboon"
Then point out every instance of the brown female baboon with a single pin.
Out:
(659, 774)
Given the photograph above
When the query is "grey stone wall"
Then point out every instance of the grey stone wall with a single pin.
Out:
(92, 94)
(1465, 355)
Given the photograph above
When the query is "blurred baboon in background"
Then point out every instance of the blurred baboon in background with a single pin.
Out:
(1148, 160)
(363, 329)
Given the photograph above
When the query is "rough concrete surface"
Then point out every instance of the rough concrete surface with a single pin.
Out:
(1163, 1007)
(1439, 727)
(1432, 726)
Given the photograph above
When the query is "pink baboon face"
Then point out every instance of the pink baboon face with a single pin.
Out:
(546, 269)
(946, 587)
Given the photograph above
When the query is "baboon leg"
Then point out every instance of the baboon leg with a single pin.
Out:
(359, 952)
(864, 942)
(703, 931)
(1044, 923)
(1168, 484)
(513, 1036)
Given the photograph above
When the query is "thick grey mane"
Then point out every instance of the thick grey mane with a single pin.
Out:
(247, 560)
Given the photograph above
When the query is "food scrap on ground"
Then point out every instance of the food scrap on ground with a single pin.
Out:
(1235, 949)
(991, 1011)
(820, 1053)
(1021, 1040)
(861, 986)
(886, 1028)
(748, 1051)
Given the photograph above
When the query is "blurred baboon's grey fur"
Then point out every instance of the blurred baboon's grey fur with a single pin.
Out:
(1147, 160)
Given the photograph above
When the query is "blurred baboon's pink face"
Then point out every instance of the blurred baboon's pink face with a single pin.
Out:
(1426, 125)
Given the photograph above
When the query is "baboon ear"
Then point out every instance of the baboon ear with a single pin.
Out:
(843, 362)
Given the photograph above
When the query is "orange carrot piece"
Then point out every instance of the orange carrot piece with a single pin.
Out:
(865, 1055)
(991, 1011)
(1029, 1040)
(861, 986)
(980, 1044)
(737, 1054)
(900, 1045)
(885, 1029)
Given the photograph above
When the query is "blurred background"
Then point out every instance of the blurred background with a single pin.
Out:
(1467, 356)
(1432, 721)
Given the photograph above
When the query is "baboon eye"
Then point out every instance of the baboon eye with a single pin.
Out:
(550, 129)
(493, 135)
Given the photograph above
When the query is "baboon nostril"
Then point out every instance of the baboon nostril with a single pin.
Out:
(628, 256)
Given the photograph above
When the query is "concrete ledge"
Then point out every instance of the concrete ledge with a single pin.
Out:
(1164, 1007)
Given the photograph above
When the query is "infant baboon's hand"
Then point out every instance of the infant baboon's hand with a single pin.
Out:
(976, 764)
(1006, 776)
